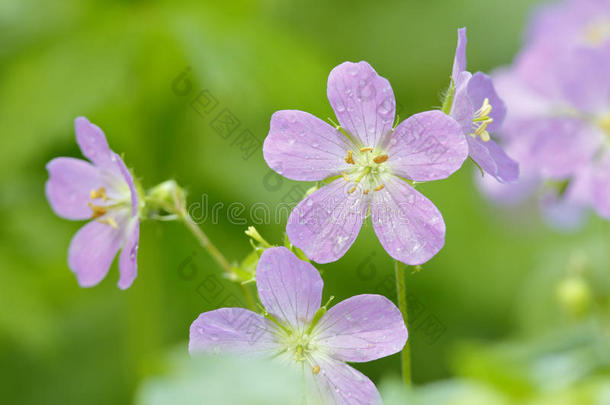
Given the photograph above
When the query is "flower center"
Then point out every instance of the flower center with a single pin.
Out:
(481, 120)
(604, 123)
(368, 165)
(99, 207)
(299, 346)
(597, 33)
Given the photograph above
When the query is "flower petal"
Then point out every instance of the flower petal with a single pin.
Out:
(339, 384)
(462, 109)
(427, 146)
(93, 144)
(232, 331)
(92, 251)
(493, 160)
(363, 102)
(481, 87)
(289, 288)
(69, 185)
(326, 223)
(128, 259)
(585, 78)
(600, 187)
(508, 194)
(362, 328)
(459, 61)
(409, 226)
(302, 147)
(128, 178)
(557, 147)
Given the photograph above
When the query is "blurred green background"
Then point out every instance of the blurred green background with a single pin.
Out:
(493, 307)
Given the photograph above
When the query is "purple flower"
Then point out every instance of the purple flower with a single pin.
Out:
(558, 98)
(479, 111)
(298, 331)
(104, 192)
(365, 163)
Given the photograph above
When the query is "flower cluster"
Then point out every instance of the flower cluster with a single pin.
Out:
(558, 123)
(368, 165)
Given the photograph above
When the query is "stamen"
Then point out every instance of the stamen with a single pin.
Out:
(481, 120)
(604, 123)
(366, 149)
(349, 159)
(351, 190)
(380, 159)
(379, 188)
(316, 369)
(345, 177)
(99, 193)
(485, 108)
(110, 221)
(365, 192)
(98, 211)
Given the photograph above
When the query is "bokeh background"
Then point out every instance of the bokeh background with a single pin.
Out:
(509, 311)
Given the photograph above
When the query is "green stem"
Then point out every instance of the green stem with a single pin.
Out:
(401, 292)
(205, 242)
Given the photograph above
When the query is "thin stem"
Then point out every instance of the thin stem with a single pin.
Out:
(401, 292)
(205, 242)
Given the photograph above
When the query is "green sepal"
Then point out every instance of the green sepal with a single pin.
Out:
(448, 100)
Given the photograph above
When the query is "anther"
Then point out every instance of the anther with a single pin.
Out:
(316, 369)
(366, 149)
(110, 221)
(365, 192)
(98, 211)
(349, 159)
(379, 188)
(351, 190)
(380, 159)
(99, 193)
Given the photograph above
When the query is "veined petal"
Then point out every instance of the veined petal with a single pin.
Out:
(493, 160)
(427, 146)
(302, 147)
(362, 328)
(290, 289)
(326, 223)
(69, 186)
(232, 331)
(93, 249)
(459, 61)
(128, 259)
(363, 102)
(336, 383)
(462, 109)
(93, 144)
(409, 226)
